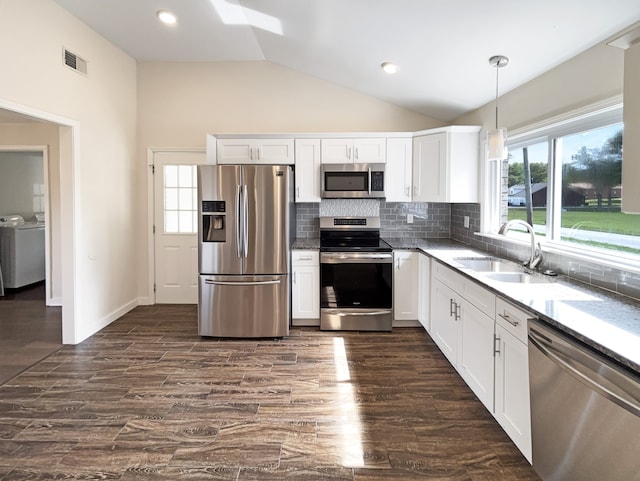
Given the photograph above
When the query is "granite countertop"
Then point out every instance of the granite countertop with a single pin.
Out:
(605, 321)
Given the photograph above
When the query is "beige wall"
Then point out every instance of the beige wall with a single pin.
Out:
(179, 103)
(97, 164)
(631, 154)
(592, 76)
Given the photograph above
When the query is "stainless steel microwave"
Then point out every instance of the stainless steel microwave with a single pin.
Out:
(352, 181)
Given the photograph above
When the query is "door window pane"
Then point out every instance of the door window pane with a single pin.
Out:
(180, 199)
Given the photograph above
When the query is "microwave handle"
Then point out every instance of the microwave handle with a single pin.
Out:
(369, 181)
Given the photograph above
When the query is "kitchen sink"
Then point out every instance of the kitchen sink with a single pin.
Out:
(488, 264)
(517, 278)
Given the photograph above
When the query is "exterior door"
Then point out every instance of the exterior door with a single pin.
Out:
(175, 226)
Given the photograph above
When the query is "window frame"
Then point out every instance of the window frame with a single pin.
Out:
(551, 130)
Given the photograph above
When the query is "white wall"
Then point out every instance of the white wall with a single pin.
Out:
(179, 103)
(97, 157)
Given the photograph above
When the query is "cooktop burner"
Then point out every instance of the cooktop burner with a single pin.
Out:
(351, 234)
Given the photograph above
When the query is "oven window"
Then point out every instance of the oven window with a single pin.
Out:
(346, 181)
(366, 286)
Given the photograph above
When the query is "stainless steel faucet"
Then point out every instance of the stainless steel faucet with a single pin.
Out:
(536, 252)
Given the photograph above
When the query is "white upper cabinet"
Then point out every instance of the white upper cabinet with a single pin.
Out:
(307, 170)
(398, 173)
(255, 151)
(360, 150)
(445, 165)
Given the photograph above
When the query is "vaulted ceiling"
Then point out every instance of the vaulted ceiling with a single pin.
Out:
(442, 47)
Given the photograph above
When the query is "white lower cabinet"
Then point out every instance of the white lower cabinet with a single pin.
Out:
(424, 291)
(463, 330)
(405, 285)
(485, 339)
(305, 288)
(512, 407)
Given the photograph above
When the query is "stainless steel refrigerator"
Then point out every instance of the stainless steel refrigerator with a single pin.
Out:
(245, 231)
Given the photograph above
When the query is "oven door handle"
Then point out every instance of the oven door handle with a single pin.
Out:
(355, 258)
(342, 313)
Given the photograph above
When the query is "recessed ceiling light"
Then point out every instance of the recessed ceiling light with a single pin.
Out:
(166, 17)
(390, 67)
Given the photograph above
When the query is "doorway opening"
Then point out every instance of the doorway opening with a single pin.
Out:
(31, 319)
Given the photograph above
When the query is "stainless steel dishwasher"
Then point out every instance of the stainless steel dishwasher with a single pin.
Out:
(585, 411)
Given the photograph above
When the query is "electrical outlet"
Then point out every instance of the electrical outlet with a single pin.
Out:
(409, 218)
(466, 221)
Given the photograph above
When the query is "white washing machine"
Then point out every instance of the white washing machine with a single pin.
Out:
(22, 253)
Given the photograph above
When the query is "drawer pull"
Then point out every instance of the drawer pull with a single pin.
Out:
(505, 316)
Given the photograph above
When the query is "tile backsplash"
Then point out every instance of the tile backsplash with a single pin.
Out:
(430, 219)
(622, 281)
(440, 220)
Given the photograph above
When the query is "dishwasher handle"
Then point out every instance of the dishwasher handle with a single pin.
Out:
(571, 363)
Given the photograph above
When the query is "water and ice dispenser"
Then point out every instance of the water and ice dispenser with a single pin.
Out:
(214, 222)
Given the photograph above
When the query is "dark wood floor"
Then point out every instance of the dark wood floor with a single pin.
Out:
(148, 399)
(29, 330)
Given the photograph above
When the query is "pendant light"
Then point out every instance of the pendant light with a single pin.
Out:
(497, 139)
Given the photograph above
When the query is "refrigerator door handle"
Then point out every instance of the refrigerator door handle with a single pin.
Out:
(245, 215)
(238, 220)
(241, 283)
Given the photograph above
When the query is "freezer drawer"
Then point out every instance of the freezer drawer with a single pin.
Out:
(243, 306)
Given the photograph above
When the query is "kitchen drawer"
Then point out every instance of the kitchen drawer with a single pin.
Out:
(513, 319)
(470, 290)
(448, 276)
(480, 297)
(305, 257)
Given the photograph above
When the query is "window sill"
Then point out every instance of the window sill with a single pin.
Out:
(629, 263)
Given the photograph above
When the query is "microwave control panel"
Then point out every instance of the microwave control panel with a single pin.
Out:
(377, 181)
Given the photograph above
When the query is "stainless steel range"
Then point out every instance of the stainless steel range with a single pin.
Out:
(356, 275)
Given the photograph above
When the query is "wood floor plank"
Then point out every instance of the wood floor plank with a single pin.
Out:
(148, 399)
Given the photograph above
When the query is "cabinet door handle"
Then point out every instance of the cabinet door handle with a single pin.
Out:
(506, 317)
(452, 308)
(356, 153)
(457, 311)
(294, 277)
(304, 258)
(297, 192)
(258, 152)
(349, 153)
(496, 345)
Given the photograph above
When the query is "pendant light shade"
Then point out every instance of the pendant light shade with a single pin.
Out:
(497, 144)
(497, 139)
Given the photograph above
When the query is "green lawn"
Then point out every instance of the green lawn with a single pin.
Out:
(614, 222)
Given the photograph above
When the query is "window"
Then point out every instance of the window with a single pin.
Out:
(565, 179)
(180, 199)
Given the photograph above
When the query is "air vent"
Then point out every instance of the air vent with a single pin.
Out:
(74, 62)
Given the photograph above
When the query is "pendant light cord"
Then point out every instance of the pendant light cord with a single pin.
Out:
(497, 73)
